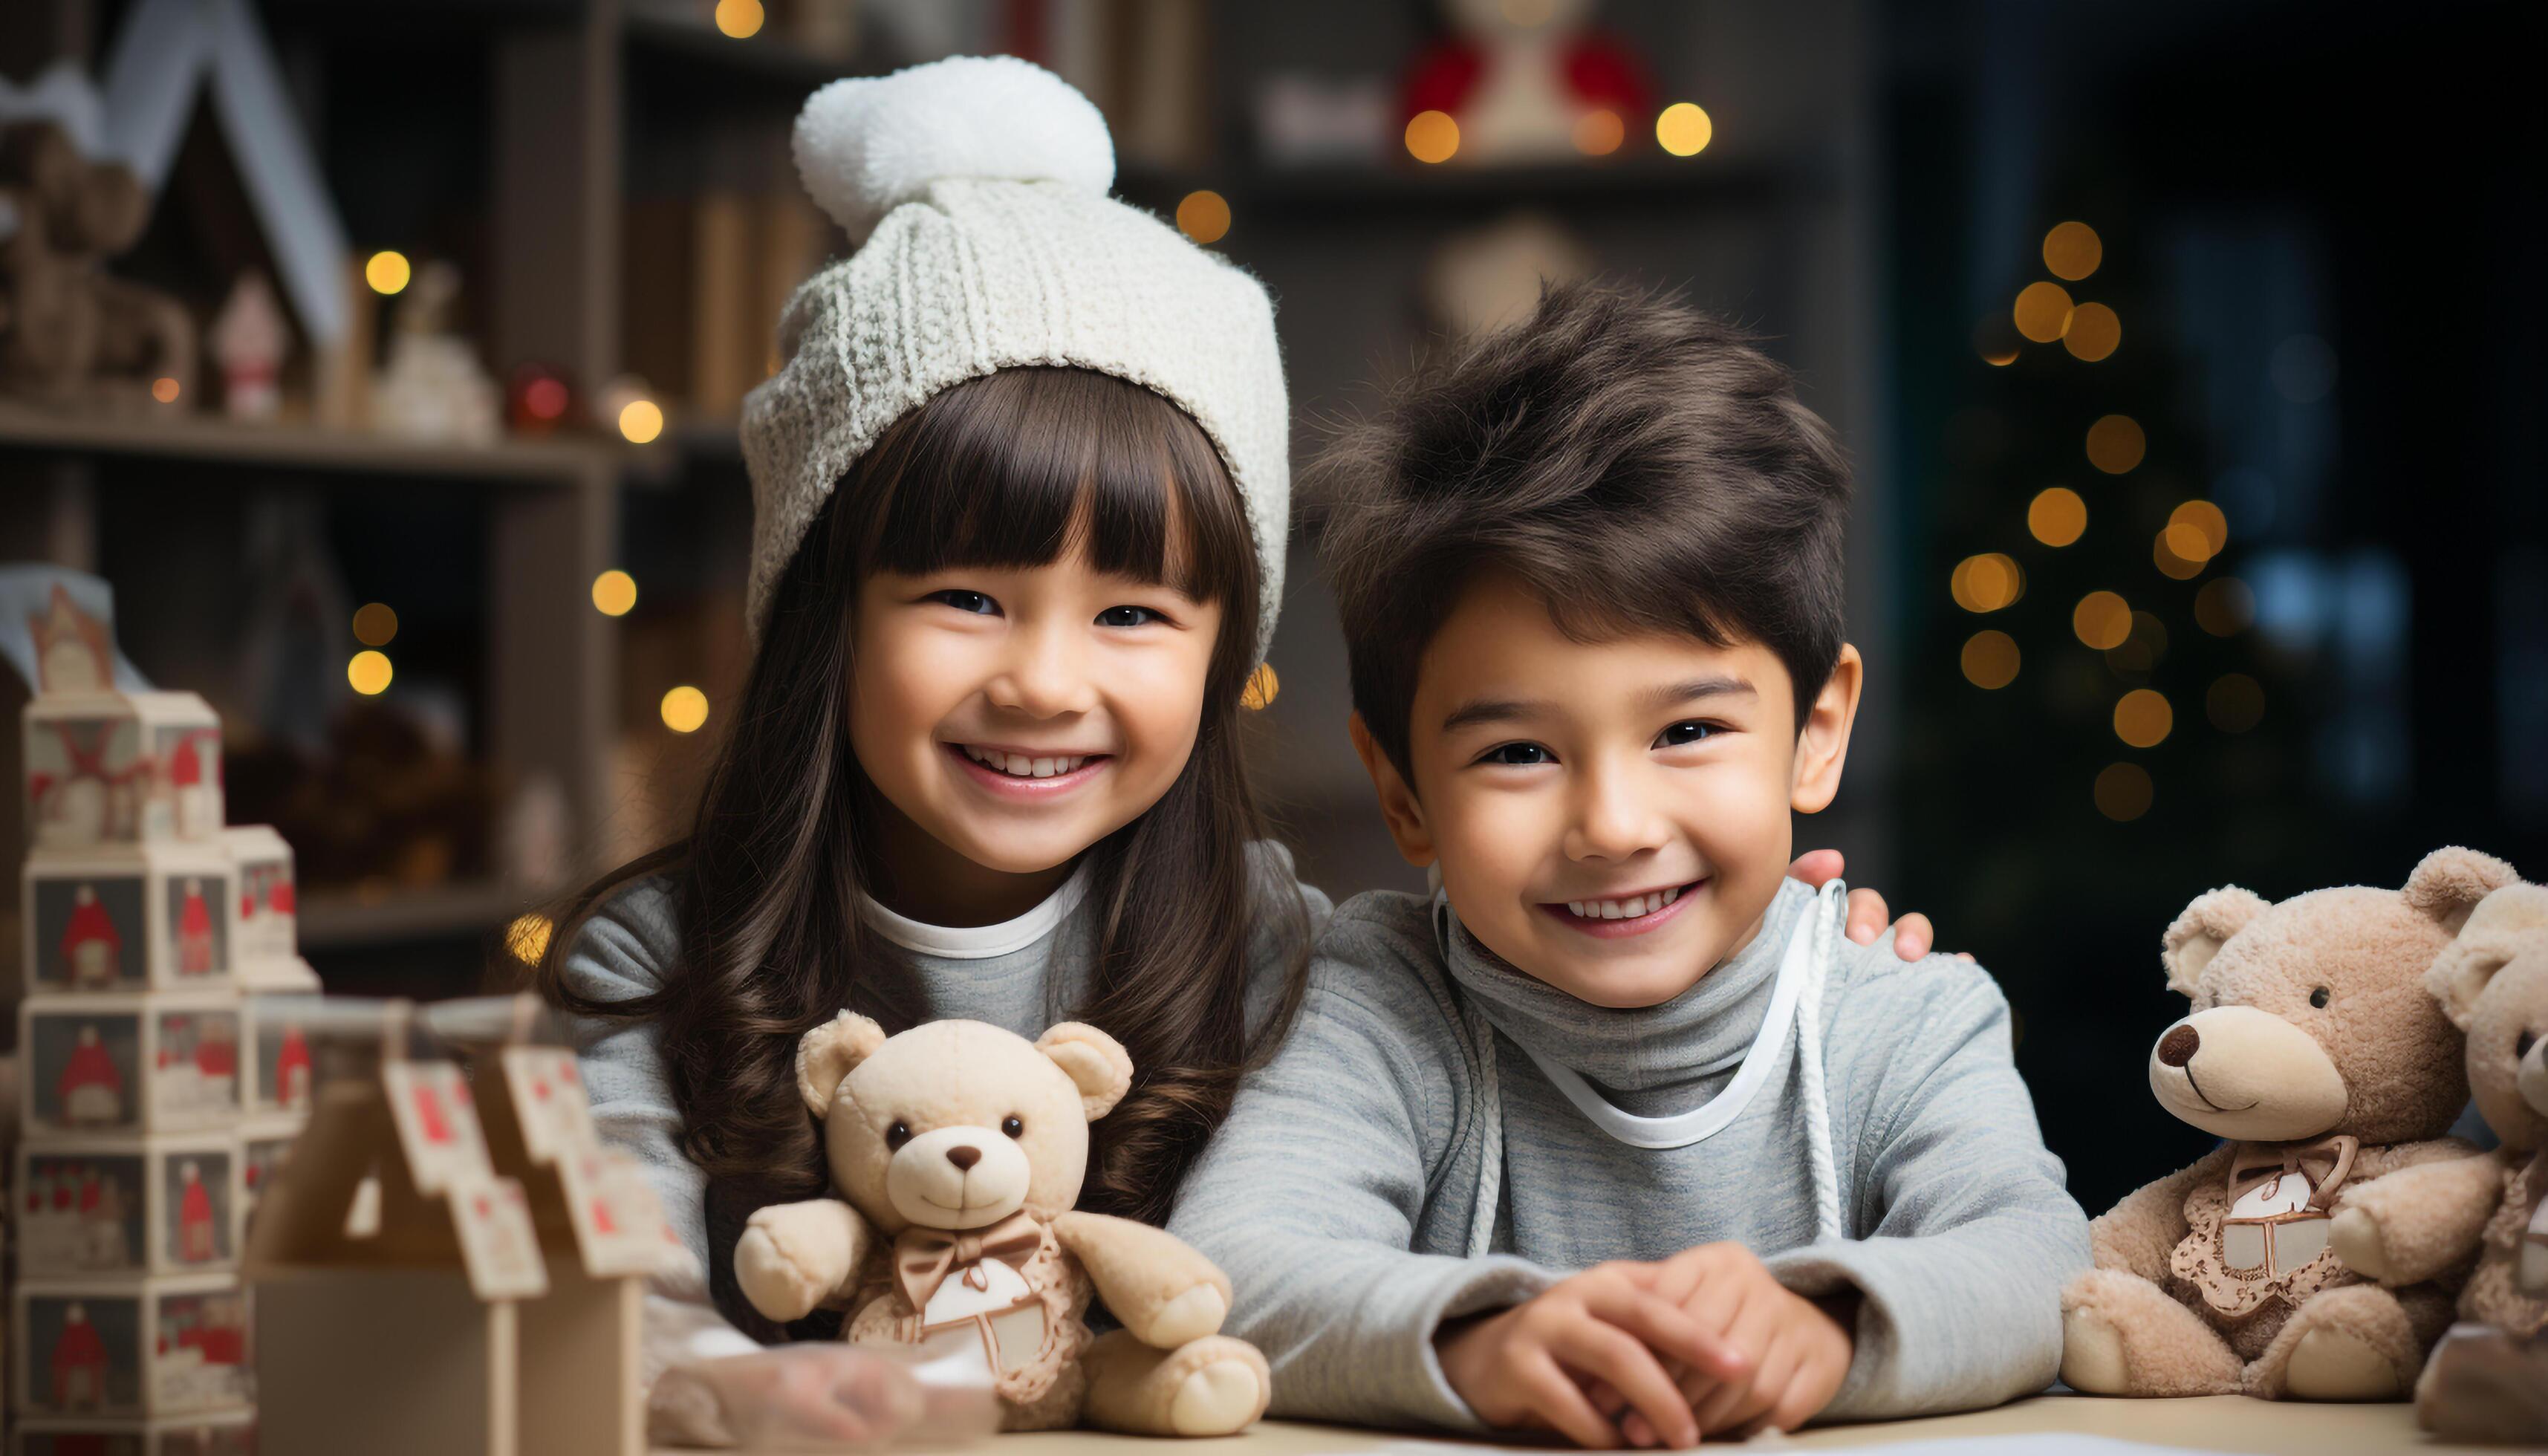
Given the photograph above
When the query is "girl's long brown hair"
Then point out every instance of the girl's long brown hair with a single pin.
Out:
(1015, 469)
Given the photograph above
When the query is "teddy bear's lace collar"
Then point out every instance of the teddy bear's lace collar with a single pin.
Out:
(979, 942)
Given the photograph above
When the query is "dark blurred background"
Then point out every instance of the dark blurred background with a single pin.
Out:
(2188, 352)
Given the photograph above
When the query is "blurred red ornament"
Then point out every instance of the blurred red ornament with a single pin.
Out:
(1522, 78)
(538, 399)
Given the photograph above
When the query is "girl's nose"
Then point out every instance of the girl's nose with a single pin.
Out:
(1046, 678)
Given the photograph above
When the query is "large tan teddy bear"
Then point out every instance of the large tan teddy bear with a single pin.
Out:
(2314, 1049)
(960, 1148)
(2488, 1380)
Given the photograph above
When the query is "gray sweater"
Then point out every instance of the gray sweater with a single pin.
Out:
(1023, 975)
(1344, 1194)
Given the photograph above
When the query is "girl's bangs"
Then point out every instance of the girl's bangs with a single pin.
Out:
(1023, 467)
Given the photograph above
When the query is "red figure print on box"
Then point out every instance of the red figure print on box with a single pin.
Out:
(192, 759)
(288, 1083)
(82, 1354)
(74, 651)
(86, 779)
(196, 1078)
(91, 1088)
(202, 1351)
(199, 1227)
(92, 948)
(82, 1214)
(190, 924)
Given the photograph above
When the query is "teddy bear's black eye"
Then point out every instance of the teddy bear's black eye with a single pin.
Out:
(897, 1135)
(2319, 997)
(2523, 1044)
(1013, 1126)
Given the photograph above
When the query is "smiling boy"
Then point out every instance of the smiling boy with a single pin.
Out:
(1616, 1133)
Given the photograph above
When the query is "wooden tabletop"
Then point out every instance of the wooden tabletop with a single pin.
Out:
(2209, 1424)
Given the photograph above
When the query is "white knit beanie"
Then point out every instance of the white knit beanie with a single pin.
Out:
(978, 189)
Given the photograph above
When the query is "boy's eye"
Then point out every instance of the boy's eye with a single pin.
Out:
(897, 1135)
(1128, 616)
(1517, 755)
(1682, 733)
(968, 601)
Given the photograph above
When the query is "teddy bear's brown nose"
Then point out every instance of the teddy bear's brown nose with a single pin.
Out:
(2178, 1047)
(964, 1154)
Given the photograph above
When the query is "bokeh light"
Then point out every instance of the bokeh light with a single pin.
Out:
(614, 592)
(2123, 792)
(1599, 132)
(2094, 333)
(640, 421)
(2057, 517)
(387, 271)
(1684, 130)
(1990, 660)
(1433, 136)
(1204, 216)
(2236, 703)
(684, 709)
(2224, 607)
(739, 19)
(546, 398)
(2072, 250)
(2211, 527)
(2144, 644)
(2172, 561)
(2116, 444)
(2042, 310)
(165, 389)
(1261, 686)
(369, 672)
(2143, 717)
(1987, 582)
(526, 940)
(375, 624)
(2102, 621)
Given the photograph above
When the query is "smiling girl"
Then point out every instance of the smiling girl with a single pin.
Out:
(1021, 495)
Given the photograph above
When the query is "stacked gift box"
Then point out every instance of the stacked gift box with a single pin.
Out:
(130, 1325)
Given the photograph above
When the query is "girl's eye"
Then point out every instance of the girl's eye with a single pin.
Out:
(968, 601)
(1013, 1126)
(896, 1136)
(1517, 755)
(1682, 733)
(1128, 616)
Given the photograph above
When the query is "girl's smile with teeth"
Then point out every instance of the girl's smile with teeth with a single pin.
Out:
(1026, 766)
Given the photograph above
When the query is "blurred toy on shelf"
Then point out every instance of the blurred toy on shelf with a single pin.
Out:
(434, 388)
(1491, 277)
(539, 398)
(1526, 81)
(1306, 120)
(76, 334)
(250, 341)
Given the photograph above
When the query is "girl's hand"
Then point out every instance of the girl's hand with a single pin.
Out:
(1913, 937)
(818, 1394)
(1604, 1328)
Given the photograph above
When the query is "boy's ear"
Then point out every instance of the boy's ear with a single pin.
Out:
(1397, 804)
(1822, 741)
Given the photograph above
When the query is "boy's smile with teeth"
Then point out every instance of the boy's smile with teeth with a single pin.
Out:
(1633, 907)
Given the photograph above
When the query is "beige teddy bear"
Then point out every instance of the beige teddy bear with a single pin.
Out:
(2488, 1380)
(2315, 1050)
(960, 1148)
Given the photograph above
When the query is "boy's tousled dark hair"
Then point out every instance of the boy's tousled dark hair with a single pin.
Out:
(1636, 464)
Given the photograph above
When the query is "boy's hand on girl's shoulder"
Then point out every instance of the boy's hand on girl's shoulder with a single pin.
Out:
(1868, 915)
(1795, 1351)
(1606, 1329)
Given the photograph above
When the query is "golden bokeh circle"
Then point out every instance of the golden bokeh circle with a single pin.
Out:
(2143, 717)
(684, 709)
(2094, 333)
(1433, 136)
(2116, 444)
(1990, 660)
(375, 624)
(388, 271)
(2123, 792)
(2171, 561)
(2056, 516)
(614, 592)
(1204, 216)
(2205, 517)
(1987, 582)
(1599, 132)
(1684, 130)
(2042, 310)
(2102, 621)
(369, 672)
(2072, 250)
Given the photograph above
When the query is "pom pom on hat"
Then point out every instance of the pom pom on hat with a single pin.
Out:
(864, 146)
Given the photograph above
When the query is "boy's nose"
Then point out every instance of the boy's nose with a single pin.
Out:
(964, 1154)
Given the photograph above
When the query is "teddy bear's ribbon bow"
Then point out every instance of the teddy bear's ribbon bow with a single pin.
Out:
(924, 1257)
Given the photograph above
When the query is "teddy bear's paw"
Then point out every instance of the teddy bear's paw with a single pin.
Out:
(775, 1284)
(2355, 1237)
(2092, 1355)
(2331, 1365)
(1189, 1317)
(1223, 1398)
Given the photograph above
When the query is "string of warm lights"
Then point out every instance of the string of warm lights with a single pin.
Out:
(2196, 532)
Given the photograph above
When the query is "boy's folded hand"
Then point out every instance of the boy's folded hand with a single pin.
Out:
(1606, 1328)
(1796, 1353)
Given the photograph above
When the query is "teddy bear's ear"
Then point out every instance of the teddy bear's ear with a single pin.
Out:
(2496, 931)
(2199, 933)
(2450, 881)
(830, 1052)
(1095, 1063)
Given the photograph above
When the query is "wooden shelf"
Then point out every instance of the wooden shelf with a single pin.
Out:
(216, 440)
(339, 919)
(1262, 193)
